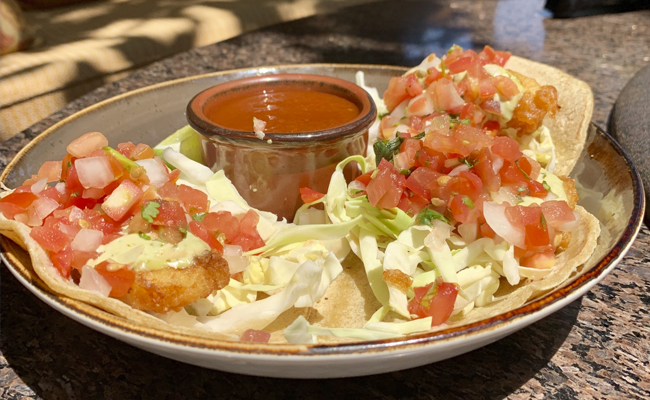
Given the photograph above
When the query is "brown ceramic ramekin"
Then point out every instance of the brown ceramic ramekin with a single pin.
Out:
(269, 172)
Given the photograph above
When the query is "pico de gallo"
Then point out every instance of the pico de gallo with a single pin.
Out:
(463, 191)
(102, 195)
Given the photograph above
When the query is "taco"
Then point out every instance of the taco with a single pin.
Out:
(161, 240)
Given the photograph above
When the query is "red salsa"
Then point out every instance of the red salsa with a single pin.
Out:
(284, 111)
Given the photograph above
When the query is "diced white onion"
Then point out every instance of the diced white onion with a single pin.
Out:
(39, 186)
(156, 172)
(468, 231)
(571, 225)
(87, 240)
(70, 231)
(258, 127)
(497, 164)
(236, 261)
(94, 172)
(60, 187)
(356, 185)
(495, 216)
(44, 207)
(92, 280)
(451, 162)
(456, 171)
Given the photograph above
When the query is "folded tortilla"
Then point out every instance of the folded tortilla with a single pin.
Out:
(349, 301)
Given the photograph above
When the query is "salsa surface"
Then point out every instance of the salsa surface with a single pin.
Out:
(285, 111)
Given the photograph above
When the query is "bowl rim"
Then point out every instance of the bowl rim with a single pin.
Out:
(109, 322)
(215, 132)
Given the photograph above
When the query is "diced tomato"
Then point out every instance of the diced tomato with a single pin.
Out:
(62, 260)
(75, 199)
(413, 87)
(460, 65)
(16, 203)
(195, 201)
(365, 178)
(173, 175)
(142, 151)
(512, 175)
(506, 148)
(485, 170)
(255, 336)
(557, 212)
(202, 233)
(66, 163)
(541, 260)
(529, 166)
(51, 170)
(168, 234)
(487, 231)
(222, 222)
(494, 57)
(169, 191)
(50, 193)
(505, 86)
(521, 216)
(87, 143)
(310, 195)
(126, 149)
(170, 213)
(249, 238)
(120, 279)
(80, 258)
(463, 209)
(419, 179)
(445, 97)
(49, 238)
(118, 203)
(437, 304)
(433, 74)
(430, 158)
(537, 189)
(466, 184)
(396, 93)
(472, 112)
(385, 190)
(492, 106)
(102, 223)
(537, 235)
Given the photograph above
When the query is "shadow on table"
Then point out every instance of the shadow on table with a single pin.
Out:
(59, 358)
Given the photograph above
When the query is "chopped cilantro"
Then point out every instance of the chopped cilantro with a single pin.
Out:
(144, 236)
(405, 172)
(442, 68)
(426, 217)
(522, 189)
(418, 136)
(387, 148)
(543, 221)
(467, 161)
(199, 216)
(468, 202)
(465, 121)
(546, 186)
(150, 211)
(522, 171)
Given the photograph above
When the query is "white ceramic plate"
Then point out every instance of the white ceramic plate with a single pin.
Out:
(148, 115)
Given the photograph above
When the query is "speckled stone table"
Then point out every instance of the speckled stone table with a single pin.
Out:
(597, 347)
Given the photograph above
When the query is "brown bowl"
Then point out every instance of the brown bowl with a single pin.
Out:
(269, 172)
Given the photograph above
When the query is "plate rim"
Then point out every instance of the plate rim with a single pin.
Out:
(536, 309)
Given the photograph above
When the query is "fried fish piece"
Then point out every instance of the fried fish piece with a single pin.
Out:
(170, 289)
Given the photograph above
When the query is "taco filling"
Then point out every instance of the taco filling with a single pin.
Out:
(457, 215)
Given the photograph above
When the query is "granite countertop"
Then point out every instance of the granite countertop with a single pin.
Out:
(597, 347)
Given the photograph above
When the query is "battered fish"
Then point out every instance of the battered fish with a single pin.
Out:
(170, 289)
